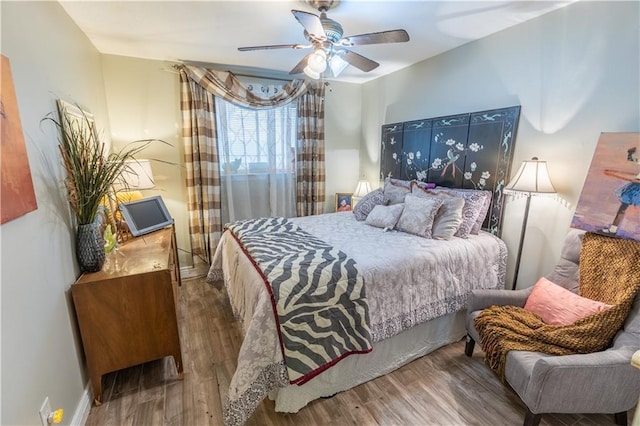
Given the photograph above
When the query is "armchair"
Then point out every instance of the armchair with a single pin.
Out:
(601, 382)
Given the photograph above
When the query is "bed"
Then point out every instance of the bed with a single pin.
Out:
(409, 315)
(410, 288)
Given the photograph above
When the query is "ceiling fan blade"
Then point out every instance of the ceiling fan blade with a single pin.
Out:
(393, 36)
(274, 46)
(300, 65)
(357, 60)
(310, 22)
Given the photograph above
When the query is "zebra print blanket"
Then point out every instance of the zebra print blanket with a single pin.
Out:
(317, 294)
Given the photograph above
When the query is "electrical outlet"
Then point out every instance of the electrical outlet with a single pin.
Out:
(45, 411)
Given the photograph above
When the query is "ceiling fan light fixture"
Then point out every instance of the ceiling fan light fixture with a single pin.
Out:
(325, 35)
(311, 73)
(317, 61)
(337, 65)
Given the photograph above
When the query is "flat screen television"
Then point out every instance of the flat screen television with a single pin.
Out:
(145, 215)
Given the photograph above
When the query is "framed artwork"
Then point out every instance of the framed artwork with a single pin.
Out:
(17, 196)
(609, 203)
(344, 202)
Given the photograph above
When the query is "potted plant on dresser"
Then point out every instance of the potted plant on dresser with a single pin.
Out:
(91, 172)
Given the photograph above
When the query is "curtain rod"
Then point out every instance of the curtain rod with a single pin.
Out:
(257, 76)
(216, 66)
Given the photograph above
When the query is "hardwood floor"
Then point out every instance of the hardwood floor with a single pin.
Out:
(442, 388)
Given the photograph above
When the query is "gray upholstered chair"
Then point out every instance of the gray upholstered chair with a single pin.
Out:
(601, 382)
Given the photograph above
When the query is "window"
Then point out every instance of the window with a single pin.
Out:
(257, 160)
(256, 141)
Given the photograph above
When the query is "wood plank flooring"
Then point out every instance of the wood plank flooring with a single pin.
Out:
(442, 388)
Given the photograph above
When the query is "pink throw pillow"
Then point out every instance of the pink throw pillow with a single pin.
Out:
(559, 306)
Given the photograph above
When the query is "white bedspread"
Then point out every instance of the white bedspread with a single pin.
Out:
(408, 280)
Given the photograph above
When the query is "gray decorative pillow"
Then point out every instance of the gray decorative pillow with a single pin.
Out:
(449, 216)
(367, 203)
(473, 203)
(384, 216)
(395, 190)
(483, 213)
(418, 215)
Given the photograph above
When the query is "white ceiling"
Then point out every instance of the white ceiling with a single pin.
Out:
(211, 31)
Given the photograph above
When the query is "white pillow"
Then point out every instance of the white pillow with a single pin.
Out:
(384, 216)
(418, 215)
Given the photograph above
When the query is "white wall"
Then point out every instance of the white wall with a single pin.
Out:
(343, 137)
(574, 71)
(41, 349)
(143, 100)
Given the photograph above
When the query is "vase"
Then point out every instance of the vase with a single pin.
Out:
(90, 248)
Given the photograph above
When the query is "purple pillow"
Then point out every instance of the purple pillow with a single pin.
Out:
(424, 185)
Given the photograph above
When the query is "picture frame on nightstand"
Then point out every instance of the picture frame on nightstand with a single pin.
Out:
(344, 202)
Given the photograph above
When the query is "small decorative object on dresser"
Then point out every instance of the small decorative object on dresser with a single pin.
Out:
(344, 202)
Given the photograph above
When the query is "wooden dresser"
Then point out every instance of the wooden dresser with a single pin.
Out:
(127, 311)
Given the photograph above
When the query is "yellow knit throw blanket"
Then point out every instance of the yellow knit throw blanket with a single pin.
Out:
(609, 272)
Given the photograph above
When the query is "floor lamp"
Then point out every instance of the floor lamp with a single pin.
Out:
(531, 179)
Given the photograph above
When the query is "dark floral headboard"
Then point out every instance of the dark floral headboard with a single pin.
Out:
(471, 150)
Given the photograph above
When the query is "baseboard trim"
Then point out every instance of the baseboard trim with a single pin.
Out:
(187, 272)
(83, 408)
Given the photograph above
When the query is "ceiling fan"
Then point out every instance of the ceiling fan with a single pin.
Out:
(329, 46)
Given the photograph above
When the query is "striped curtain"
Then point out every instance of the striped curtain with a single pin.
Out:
(201, 161)
(310, 178)
(198, 86)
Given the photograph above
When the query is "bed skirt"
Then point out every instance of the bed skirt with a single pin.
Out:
(387, 355)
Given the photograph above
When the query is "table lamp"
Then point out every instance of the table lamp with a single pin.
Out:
(362, 189)
(136, 174)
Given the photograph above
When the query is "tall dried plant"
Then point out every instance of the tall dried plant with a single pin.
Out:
(91, 172)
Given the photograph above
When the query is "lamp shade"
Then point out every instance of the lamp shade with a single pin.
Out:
(136, 174)
(362, 189)
(532, 177)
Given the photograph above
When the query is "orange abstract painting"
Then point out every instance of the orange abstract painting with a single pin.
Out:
(16, 192)
(610, 200)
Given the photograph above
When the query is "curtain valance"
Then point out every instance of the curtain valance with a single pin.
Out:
(227, 86)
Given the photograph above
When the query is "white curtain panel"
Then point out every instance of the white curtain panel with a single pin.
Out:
(257, 161)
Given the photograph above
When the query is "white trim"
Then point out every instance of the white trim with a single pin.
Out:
(83, 408)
